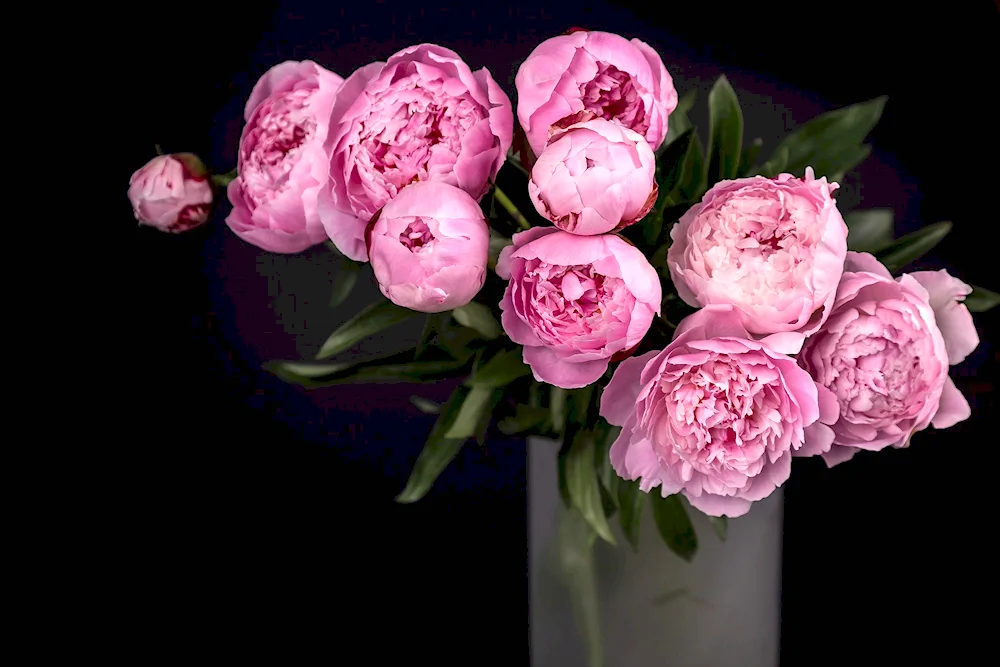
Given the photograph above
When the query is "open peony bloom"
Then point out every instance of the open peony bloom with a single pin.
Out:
(573, 302)
(281, 163)
(599, 72)
(171, 192)
(716, 415)
(421, 116)
(774, 248)
(885, 351)
(593, 178)
(428, 247)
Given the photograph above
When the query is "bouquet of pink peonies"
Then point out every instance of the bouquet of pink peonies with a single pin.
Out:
(683, 318)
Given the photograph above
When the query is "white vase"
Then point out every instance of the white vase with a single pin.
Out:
(721, 610)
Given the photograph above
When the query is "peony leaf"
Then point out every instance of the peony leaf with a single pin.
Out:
(557, 406)
(582, 484)
(749, 156)
(691, 185)
(725, 132)
(343, 281)
(502, 369)
(468, 416)
(981, 300)
(631, 501)
(829, 143)
(679, 121)
(394, 368)
(913, 246)
(720, 525)
(438, 452)
(478, 317)
(870, 230)
(427, 406)
(525, 418)
(376, 317)
(674, 524)
(671, 166)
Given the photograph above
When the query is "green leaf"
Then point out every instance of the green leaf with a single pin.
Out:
(376, 317)
(525, 418)
(830, 143)
(394, 368)
(720, 525)
(672, 161)
(849, 158)
(631, 501)
(478, 317)
(432, 323)
(725, 133)
(749, 156)
(674, 525)
(679, 121)
(427, 406)
(344, 281)
(464, 425)
(606, 474)
(497, 243)
(691, 185)
(502, 369)
(438, 452)
(981, 300)
(581, 481)
(913, 246)
(870, 230)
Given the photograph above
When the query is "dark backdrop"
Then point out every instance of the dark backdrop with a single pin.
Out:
(259, 520)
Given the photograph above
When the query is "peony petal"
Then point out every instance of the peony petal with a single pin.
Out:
(953, 318)
(818, 440)
(863, 261)
(547, 366)
(713, 505)
(619, 396)
(953, 407)
(838, 454)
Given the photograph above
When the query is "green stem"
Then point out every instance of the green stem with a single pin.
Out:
(223, 180)
(509, 206)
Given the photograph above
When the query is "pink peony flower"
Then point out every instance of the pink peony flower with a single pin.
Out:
(605, 74)
(774, 248)
(281, 163)
(171, 192)
(594, 178)
(421, 116)
(885, 351)
(573, 302)
(716, 415)
(428, 247)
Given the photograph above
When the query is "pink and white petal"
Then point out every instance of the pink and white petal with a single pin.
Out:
(547, 366)
(953, 407)
(618, 398)
(713, 505)
(839, 454)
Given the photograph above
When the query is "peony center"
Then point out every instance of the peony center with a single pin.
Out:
(612, 95)
(417, 236)
(283, 127)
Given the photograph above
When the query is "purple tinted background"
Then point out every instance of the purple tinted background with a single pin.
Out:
(272, 507)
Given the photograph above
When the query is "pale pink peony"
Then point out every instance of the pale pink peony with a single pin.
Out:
(421, 116)
(885, 351)
(574, 301)
(593, 178)
(599, 72)
(172, 193)
(716, 415)
(281, 162)
(774, 248)
(428, 247)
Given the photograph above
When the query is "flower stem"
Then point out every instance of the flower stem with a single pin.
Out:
(509, 206)
(222, 180)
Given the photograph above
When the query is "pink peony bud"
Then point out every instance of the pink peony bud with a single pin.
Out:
(423, 115)
(428, 247)
(172, 193)
(600, 72)
(595, 177)
(281, 163)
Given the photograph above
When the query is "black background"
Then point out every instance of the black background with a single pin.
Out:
(259, 522)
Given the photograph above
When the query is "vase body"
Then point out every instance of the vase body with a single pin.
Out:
(721, 610)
